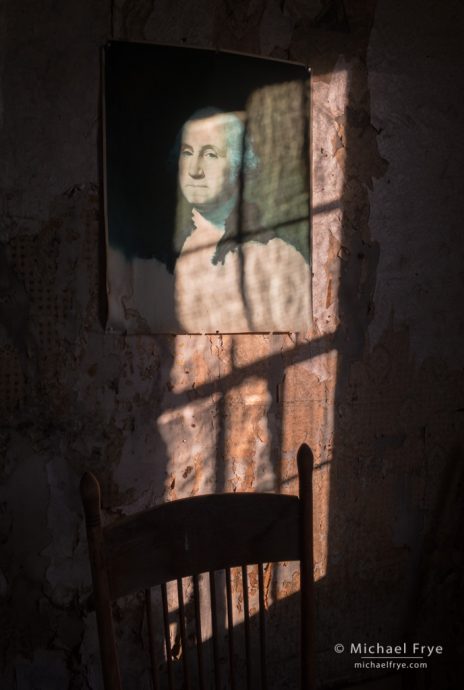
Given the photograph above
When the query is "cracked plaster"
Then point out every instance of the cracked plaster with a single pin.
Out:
(377, 391)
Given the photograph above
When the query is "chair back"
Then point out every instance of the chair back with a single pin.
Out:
(189, 537)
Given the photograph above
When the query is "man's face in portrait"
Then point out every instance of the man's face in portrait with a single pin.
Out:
(206, 174)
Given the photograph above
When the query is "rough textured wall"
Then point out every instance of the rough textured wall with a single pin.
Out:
(376, 388)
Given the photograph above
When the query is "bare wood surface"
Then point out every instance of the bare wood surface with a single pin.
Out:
(305, 474)
(151, 640)
(183, 635)
(262, 627)
(200, 534)
(167, 636)
(90, 494)
(195, 535)
(230, 628)
(246, 608)
(198, 632)
(214, 626)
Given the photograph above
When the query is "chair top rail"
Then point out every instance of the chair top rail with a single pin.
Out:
(199, 534)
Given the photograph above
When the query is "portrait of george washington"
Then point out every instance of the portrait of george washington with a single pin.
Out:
(219, 239)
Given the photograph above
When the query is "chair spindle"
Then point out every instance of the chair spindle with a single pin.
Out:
(262, 628)
(246, 606)
(167, 636)
(196, 596)
(230, 627)
(214, 625)
(151, 640)
(183, 634)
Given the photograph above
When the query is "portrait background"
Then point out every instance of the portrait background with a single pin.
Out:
(150, 92)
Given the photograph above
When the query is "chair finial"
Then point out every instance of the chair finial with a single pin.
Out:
(305, 459)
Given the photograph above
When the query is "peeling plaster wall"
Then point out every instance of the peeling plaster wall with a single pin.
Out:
(414, 79)
(376, 388)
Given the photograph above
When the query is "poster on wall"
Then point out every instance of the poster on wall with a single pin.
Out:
(207, 191)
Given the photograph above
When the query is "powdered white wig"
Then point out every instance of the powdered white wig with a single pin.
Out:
(241, 154)
(240, 150)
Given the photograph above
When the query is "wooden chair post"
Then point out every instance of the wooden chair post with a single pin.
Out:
(90, 493)
(305, 462)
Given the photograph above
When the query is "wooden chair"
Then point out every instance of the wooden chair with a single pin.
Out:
(198, 535)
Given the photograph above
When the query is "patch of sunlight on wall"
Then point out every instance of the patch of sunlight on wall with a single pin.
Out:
(330, 96)
(214, 375)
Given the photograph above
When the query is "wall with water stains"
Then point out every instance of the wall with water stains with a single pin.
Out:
(376, 388)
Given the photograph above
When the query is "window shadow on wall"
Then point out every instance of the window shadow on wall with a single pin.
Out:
(371, 588)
